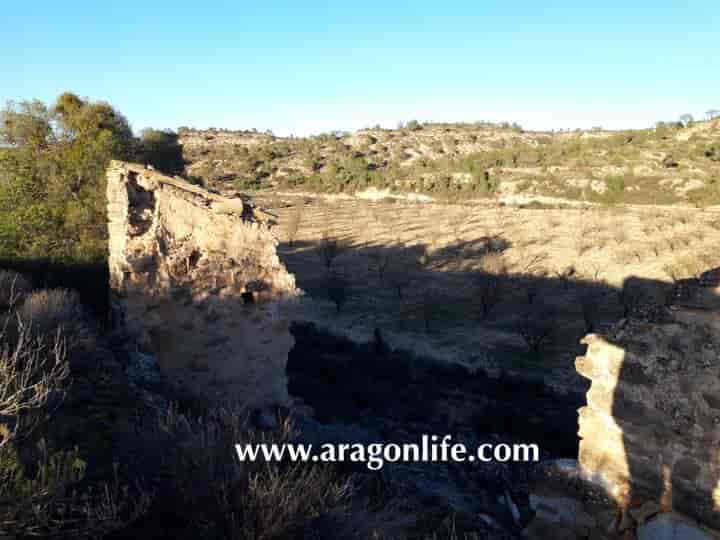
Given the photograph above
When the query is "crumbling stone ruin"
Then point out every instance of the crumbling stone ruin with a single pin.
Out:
(196, 281)
(650, 431)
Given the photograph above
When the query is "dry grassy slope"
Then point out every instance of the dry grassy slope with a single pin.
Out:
(642, 166)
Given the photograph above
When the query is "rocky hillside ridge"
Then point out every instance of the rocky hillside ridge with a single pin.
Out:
(196, 281)
(664, 165)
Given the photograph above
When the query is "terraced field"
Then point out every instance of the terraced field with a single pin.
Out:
(469, 282)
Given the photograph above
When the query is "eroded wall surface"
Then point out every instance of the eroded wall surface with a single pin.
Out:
(196, 281)
(651, 427)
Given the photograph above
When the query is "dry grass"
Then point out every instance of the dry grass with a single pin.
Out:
(47, 312)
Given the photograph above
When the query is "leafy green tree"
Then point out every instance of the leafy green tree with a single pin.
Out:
(162, 150)
(52, 176)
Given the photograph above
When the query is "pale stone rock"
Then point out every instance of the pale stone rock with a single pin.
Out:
(197, 283)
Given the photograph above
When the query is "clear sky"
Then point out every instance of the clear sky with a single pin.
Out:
(297, 66)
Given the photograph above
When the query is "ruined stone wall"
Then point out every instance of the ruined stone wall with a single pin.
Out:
(196, 281)
(651, 427)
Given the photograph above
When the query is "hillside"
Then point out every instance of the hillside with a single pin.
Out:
(668, 164)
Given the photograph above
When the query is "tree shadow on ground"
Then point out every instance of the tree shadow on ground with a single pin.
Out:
(467, 285)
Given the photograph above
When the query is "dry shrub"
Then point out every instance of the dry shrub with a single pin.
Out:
(13, 288)
(279, 502)
(223, 497)
(48, 312)
(46, 504)
(33, 377)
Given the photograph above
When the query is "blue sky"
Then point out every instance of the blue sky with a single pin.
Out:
(306, 66)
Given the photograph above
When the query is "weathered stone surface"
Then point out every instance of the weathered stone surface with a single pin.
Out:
(196, 281)
(651, 426)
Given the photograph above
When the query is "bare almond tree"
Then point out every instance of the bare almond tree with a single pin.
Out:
(328, 250)
(536, 326)
(401, 272)
(491, 281)
(380, 258)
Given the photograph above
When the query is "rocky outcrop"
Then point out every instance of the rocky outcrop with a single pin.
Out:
(196, 281)
(651, 427)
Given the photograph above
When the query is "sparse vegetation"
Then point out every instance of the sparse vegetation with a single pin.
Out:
(43, 498)
(456, 162)
(33, 378)
(204, 491)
